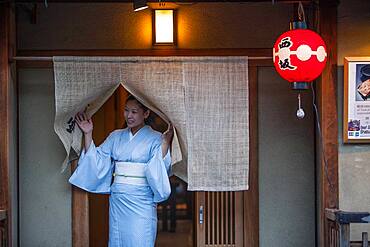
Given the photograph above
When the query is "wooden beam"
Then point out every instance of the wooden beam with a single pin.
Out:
(258, 52)
(327, 151)
(167, 1)
(253, 52)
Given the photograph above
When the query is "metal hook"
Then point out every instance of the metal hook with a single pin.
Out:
(301, 14)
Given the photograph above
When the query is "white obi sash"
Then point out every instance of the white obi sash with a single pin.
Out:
(130, 173)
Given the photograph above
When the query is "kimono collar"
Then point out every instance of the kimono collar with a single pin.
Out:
(140, 136)
(131, 136)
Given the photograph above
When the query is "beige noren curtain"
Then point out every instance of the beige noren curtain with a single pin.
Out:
(206, 98)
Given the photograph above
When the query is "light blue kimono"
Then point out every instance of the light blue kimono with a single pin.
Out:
(132, 208)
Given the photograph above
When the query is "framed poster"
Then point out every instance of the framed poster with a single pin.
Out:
(356, 114)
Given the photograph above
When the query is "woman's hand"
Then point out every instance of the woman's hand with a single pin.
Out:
(84, 122)
(167, 139)
(86, 125)
(168, 134)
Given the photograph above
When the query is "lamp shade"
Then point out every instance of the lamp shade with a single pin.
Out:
(299, 55)
(164, 30)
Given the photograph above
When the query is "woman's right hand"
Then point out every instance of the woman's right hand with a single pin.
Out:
(84, 122)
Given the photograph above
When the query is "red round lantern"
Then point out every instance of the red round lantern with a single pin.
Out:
(299, 56)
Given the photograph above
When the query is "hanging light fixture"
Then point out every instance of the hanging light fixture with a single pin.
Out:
(299, 56)
(164, 27)
(140, 5)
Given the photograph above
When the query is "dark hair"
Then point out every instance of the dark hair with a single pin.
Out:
(149, 119)
(130, 97)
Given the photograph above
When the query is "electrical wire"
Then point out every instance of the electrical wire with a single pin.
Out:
(331, 185)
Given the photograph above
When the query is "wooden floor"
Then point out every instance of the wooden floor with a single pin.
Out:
(181, 238)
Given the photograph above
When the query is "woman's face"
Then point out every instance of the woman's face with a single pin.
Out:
(135, 114)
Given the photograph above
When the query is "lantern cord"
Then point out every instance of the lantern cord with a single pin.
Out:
(301, 15)
(331, 185)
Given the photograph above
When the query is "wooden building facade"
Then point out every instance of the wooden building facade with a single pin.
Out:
(29, 29)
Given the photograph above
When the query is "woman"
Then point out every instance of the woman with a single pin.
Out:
(139, 160)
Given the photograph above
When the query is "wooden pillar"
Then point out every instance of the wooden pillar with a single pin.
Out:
(4, 112)
(80, 216)
(327, 105)
(251, 199)
(4, 100)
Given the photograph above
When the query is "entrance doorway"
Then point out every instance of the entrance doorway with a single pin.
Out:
(175, 217)
(187, 218)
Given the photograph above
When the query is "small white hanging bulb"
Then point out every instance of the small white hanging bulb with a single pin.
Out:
(300, 111)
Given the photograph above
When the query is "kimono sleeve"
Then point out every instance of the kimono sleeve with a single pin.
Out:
(157, 171)
(95, 168)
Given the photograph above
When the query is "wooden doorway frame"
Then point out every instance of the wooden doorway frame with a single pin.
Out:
(326, 90)
(328, 98)
(80, 203)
